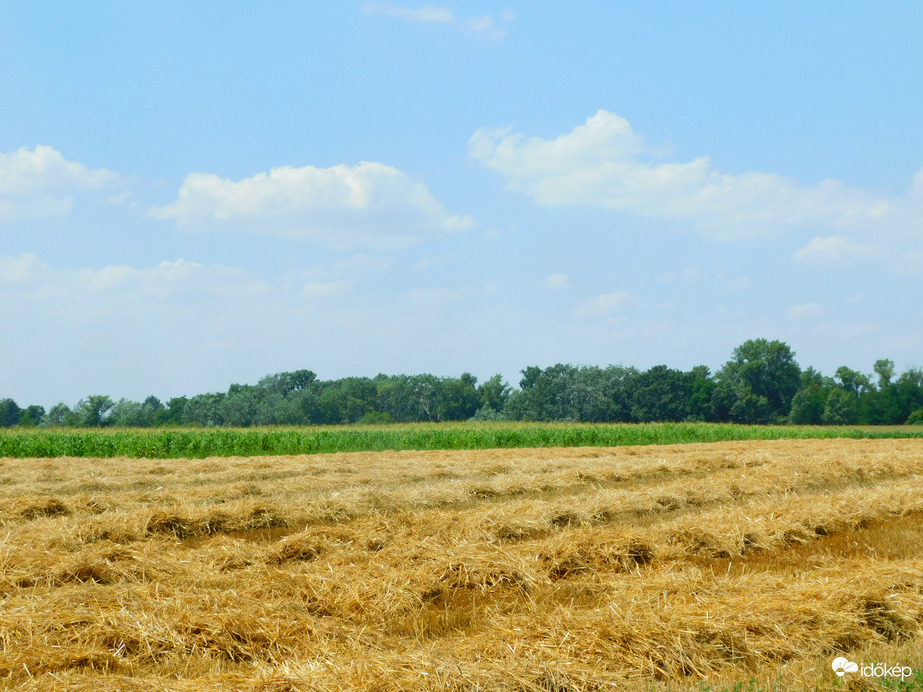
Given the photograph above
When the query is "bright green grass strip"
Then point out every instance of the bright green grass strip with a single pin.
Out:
(169, 443)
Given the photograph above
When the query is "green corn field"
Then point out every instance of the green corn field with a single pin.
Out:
(169, 443)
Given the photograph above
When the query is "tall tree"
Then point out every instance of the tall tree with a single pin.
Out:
(661, 394)
(493, 393)
(759, 382)
(810, 399)
(852, 381)
(32, 416)
(841, 407)
(91, 411)
(58, 415)
(9, 413)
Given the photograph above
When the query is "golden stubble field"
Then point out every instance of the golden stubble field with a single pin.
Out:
(554, 569)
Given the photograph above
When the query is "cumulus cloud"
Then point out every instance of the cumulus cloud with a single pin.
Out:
(605, 163)
(483, 25)
(40, 183)
(557, 282)
(369, 204)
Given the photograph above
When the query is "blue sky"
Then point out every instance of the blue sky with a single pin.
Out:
(194, 194)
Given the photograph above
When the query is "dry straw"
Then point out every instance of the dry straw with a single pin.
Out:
(554, 569)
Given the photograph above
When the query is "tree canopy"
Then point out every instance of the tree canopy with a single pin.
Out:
(761, 383)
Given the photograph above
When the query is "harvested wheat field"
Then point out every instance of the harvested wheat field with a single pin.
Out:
(642, 568)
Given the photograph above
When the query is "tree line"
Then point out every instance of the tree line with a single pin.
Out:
(761, 383)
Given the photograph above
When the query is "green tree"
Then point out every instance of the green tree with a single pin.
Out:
(703, 387)
(32, 416)
(852, 381)
(91, 411)
(910, 392)
(759, 382)
(752, 408)
(810, 399)
(602, 394)
(150, 411)
(493, 393)
(240, 406)
(881, 406)
(884, 368)
(460, 399)
(841, 407)
(286, 383)
(661, 394)
(346, 400)
(126, 413)
(59, 415)
(395, 396)
(546, 395)
(172, 413)
(205, 410)
(9, 413)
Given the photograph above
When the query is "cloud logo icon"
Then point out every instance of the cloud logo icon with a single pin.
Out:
(842, 665)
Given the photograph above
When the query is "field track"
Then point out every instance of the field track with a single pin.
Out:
(565, 569)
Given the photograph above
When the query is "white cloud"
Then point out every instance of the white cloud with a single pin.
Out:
(21, 270)
(605, 163)
(557, 282)
(483, 25)
(427, 14)
(41, 183)
(836, 249)
(604, 305)
(804, 311)
(369, 204)
(117, 284)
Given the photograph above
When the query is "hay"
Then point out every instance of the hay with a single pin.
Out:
(638, 568)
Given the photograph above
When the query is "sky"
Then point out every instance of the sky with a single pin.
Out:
(200, 194)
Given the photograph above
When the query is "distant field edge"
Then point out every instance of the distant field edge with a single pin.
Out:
(172, 443)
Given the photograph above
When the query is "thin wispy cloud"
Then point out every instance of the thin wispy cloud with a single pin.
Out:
(607, 305)
(804, 311)
(557, 282)
(836, 249)
(484, 25)
(323, 315)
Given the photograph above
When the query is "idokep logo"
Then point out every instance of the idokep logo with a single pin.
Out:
(842, 665)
